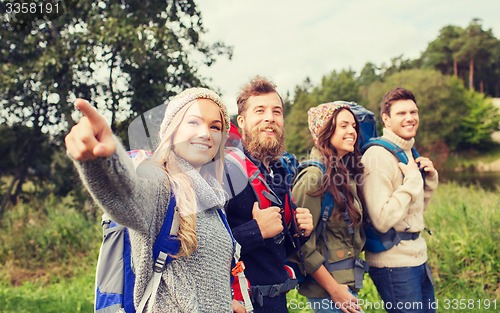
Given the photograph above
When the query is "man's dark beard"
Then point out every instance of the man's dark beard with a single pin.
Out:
(270, 147)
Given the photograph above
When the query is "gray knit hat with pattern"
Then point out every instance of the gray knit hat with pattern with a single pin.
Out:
(185, 97)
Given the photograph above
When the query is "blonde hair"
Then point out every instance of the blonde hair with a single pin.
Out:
(181, 184)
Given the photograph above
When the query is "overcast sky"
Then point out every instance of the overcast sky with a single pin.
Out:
(289, 40)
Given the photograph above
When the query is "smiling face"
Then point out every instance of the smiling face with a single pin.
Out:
(262, 125)
(199, 135)
(344, 136)
(402, 119)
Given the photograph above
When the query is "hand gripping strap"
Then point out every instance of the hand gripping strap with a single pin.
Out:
(264, 194)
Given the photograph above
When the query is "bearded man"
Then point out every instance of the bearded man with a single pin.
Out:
(267, 235)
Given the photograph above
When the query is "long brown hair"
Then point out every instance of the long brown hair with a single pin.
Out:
(340, 170)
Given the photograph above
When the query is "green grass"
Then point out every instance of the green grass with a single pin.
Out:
(464, 248)
(70, 295)
(463, 253)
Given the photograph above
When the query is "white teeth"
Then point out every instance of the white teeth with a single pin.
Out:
(200, 146)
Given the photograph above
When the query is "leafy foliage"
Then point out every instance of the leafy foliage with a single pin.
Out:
(471, 54)
(42, 232)
(440, 100)
(129, 55)
(481, 121)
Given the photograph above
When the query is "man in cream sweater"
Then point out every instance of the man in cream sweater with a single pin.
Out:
(396, 197)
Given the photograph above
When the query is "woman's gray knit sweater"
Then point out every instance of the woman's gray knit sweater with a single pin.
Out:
(198, 283)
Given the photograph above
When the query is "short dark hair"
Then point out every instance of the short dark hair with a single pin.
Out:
(395, 94)
(256, 87)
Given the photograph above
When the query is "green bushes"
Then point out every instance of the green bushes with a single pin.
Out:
(46, 239)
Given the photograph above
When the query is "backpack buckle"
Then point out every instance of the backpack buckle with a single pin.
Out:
(274, 290)
(238, 268)
(160, 262)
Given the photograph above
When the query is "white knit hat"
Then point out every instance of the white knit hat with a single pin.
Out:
(185, 97)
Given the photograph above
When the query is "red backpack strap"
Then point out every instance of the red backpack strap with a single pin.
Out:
(261, 189)
(255, 177)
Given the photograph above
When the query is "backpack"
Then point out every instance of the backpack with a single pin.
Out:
(327, 206)
(265, 198)
(115, 278)
(366, 120)
(375, 240)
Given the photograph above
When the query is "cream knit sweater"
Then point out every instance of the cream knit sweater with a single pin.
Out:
(394, 201)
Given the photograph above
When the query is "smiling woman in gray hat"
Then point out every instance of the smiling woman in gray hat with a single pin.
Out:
(187, 164)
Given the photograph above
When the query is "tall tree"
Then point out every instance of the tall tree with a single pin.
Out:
(127, 53)
(472, 54)
(440, 54)
(481, 121)
(297, 132)
(368, 75)
(399, 64)
(474, 46)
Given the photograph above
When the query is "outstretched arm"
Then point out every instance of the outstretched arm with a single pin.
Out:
(107, 171)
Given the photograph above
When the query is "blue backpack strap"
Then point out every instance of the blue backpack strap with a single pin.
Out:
(226, 224)
(396, 150)
(128, 275)
(236, 270)
(414, 152)
(291, 165)
(166, 242)
(327, 206)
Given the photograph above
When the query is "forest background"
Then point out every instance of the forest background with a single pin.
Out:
(50, 233)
